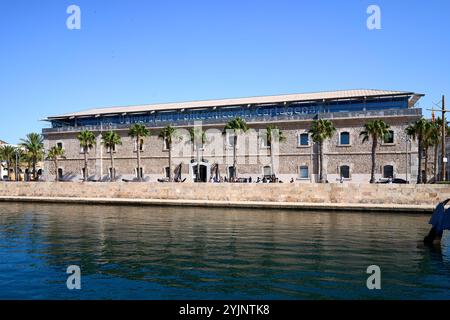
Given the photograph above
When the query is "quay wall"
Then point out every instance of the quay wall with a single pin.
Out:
(323, 194)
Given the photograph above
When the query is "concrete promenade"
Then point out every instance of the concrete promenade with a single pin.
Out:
(358, 197)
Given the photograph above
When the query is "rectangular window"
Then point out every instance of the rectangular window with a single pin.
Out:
(264, 142)
(388, 171)
(303, 172)
(231, 173)
(167, 171)
(345, 138)
(141, 145)
(345, 172)
(389, 138)
(108, 149)
(230, 140)
(59, 145)
(303, 139)
(267, 171)
(166, 144)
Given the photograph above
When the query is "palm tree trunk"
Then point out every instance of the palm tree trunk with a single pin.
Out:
(320, 162)
(425, 175)
(234, 156)
(197, 175)
(8, 166)
(272, 156)
(419, 166)
(170, 162)
(374, 154)
(34, 168)
(113, 171)
(138, 152)
(435, 171)
(85, 165)
(29, 167)
(56, 171)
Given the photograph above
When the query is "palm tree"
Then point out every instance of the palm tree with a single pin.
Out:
(197, 138)
(376, 130)
(431, 139)
(273, 135)
(168, 134)
(320, 131)
(54, 154)
(111, 139)
(436, 141)
(34, 146)
(8, 154)
(138, 131)
(238, 126)
(87, 142)
(417, 131)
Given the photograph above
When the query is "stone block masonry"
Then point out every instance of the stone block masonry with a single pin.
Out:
(384, 197)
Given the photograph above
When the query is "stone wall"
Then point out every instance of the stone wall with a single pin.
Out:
(384, 194)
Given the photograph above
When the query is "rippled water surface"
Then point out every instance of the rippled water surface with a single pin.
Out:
(191, 253)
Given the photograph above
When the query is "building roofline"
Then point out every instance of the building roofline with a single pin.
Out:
(231, 102)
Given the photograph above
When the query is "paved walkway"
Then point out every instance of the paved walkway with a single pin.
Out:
(421, 209)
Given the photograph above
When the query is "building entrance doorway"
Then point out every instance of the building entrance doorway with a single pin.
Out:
(200, 172)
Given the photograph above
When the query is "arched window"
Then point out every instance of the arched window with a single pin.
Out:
(267, 171)
(303, 139)
(389, 138)
(388, 171)
(344, 171)
(344, 138)
(60, 173)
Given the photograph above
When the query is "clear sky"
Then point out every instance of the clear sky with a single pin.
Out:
(143, 51)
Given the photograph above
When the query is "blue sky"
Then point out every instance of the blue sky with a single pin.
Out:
(142, 51)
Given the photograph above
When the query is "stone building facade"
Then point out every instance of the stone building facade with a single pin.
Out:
(294, 158)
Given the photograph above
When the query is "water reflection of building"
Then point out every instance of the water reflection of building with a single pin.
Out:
(345, 154)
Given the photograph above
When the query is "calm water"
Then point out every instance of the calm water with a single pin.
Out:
(190, 253)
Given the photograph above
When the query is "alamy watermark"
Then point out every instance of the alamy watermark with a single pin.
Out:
(74, 280)
(374, 20)
(73, 22)
(374, 280)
